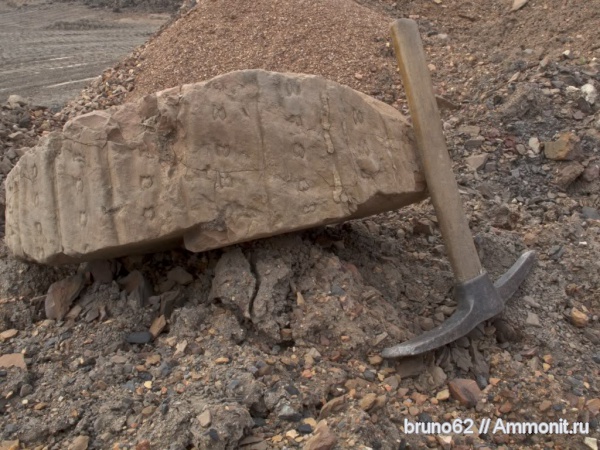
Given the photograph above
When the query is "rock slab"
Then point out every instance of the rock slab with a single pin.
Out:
(245, 155)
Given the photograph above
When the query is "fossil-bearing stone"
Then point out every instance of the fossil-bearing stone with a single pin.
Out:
(245, 155)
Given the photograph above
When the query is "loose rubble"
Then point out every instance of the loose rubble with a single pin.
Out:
(305, 375)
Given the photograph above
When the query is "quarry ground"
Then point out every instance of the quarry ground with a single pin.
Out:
(523, 129)
(49, 51)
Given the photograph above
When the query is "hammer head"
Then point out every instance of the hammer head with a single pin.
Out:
(477, 301)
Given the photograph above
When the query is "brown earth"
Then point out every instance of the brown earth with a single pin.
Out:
(339, 294)
(337, 39)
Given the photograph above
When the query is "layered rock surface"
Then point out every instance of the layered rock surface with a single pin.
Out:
(245, 155)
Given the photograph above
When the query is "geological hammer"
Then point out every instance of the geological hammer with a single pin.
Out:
(477, 298)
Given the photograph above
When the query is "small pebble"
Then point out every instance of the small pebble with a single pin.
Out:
(290, 414)
(26, 389)
(368, 401)
(369, 375)
(205, 419)
(375, 360)
(304, 429)
(139, 337)
(533, 320)
(213, 434)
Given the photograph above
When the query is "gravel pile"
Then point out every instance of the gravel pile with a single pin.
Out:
(338, 39)
(523, 128)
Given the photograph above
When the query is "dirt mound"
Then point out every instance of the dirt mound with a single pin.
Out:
(332, 298)
(551, 26)
(337, 39)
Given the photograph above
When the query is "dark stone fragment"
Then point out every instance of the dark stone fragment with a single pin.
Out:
(337, 290)
(292, 390)
(424, 417)
(590, 213)
(369, 375)
(164, 408)
(10, 429)
(139, 337)
(145, 376)
(259, 421)
(304, 429)
(290, 414)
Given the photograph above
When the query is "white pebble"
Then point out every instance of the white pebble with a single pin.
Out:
(589, 93)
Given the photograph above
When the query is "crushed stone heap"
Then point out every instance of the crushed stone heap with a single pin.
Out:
(337, 39)
(245, 155)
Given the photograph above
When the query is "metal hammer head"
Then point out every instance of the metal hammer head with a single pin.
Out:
(477, 300)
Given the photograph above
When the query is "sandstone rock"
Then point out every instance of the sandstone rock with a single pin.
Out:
(469, 130)
(474, 143)
(445, 441)
(234, 284)
(16, 100)
(102, 271)
(230, 422)
(323, 438)
(10, 445)
(591, 442)
(180, 276)
(13, 360)
(168, 301)
(158, 325)
(579, 318)
(61, 294)
(465, 391)
(136, 287)
(443, 395)
(368, 401)
(591, 173)
(334, 405)
(518, 4)
(245, 155)
(205, 419)
(410, 367)
(8, 334)
(80, 443)
(593, 406)
(545, 405)
(273, 289)
(566, 173)
(564, 148)
(533, 319)
(476, 162)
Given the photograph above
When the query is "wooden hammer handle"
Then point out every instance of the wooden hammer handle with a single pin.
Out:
(434, 154)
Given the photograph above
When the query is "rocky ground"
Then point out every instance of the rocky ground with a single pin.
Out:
(48, 56)
(153, 351)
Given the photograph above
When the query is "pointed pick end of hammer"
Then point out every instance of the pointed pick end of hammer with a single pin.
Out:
(477, 301)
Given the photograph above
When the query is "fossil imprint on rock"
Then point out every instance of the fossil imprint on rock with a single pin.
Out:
(245, 155)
